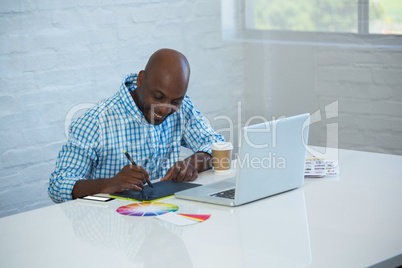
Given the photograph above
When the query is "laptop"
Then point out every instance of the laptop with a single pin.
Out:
(271, 160)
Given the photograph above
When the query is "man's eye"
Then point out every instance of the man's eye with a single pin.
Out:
(157, 97)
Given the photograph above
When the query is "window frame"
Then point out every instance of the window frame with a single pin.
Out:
(238, 16)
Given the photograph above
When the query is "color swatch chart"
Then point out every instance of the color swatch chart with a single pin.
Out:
(183, 219)
(147, 209)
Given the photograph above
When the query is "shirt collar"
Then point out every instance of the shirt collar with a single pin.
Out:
(130, 84)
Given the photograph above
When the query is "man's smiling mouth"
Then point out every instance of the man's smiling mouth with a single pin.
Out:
(158, 116)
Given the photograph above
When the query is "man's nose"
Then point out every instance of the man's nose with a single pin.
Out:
(165, 109)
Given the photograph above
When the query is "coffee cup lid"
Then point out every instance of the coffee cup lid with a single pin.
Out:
(222, 146)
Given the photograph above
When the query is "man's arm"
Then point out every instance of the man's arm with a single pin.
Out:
(63, 187)
(201, 161)
(187, 170)
(78, 157)
(198, 136)
(130, 177)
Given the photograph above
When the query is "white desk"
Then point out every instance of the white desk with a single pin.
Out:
(354, 220)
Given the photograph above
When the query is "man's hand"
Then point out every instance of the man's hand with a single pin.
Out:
(129, 177)
(187, 170)
(181, 171)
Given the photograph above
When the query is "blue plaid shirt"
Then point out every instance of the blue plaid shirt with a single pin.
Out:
(97, 141)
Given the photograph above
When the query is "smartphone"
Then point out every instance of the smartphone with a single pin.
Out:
(97, 198)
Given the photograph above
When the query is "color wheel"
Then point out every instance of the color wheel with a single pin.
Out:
(147, 209)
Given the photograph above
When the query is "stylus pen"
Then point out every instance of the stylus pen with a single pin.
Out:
(132, 162)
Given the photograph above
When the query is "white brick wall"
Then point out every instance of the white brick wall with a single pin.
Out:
(57, 54)
(368, 86)
(366, 82)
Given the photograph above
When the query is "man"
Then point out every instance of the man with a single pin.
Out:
(150, 117)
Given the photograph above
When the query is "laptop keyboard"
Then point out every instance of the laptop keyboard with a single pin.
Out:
(229, 194)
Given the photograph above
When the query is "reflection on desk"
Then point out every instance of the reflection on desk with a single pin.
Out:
(136, 236)
(259, 234)
(282, 221)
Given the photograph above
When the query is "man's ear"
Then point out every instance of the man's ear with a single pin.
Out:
(140, 78)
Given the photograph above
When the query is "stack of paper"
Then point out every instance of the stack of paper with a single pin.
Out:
(318, 168)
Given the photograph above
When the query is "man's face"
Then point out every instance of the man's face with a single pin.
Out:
(159, 96)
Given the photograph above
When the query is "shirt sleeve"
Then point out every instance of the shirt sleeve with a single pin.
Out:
(76, 158)
(198, 135)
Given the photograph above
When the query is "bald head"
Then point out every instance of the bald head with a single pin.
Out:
(168, 64)
(162, 86)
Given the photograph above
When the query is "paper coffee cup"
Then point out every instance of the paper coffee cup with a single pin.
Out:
(222, 156)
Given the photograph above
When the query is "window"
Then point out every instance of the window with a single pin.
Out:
(385, 17)
(318, 22)
(307, 16)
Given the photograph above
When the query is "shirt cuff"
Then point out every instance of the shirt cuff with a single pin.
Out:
(61, 189)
